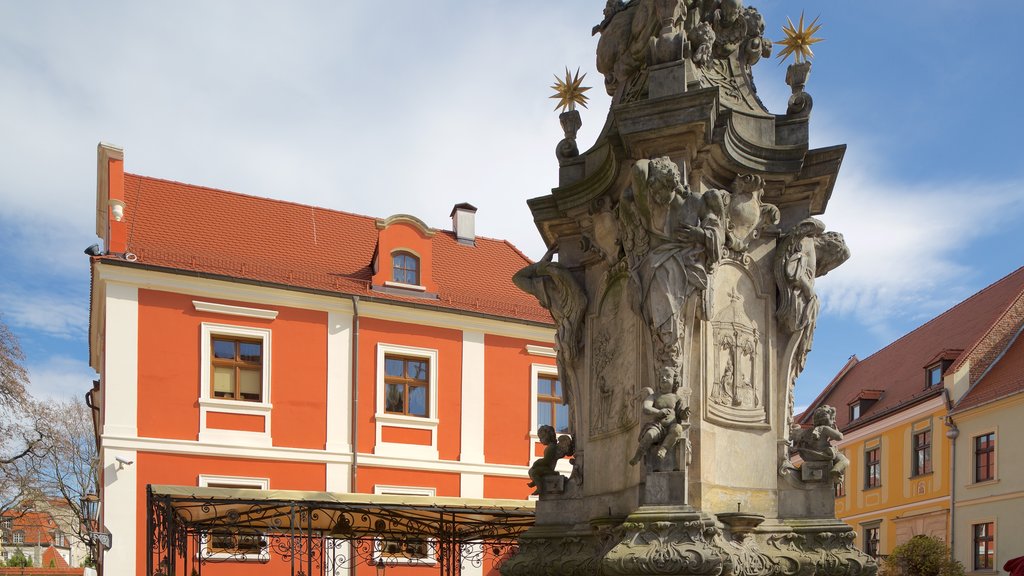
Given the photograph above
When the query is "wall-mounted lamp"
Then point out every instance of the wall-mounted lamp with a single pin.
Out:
(116, 208)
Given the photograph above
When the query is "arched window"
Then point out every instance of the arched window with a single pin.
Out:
(405, 268)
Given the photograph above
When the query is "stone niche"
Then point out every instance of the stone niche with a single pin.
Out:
(684, 303)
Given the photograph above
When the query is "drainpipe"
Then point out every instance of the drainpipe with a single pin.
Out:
(354, 415)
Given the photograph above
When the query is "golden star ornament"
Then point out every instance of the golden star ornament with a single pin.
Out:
(799, 39)
(568, 92)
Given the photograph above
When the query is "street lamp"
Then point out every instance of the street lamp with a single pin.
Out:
(90, 509)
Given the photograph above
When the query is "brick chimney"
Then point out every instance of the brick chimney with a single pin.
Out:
(464, 223)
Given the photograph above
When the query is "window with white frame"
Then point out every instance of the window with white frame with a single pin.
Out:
(403, 548)
(235, 364)
(231, 543)
(407, 397)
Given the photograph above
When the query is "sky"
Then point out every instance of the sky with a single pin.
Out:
(412, 107)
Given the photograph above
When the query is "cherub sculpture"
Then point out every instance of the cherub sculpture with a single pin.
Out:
(667, 425)
(815, 444)
(555, 448)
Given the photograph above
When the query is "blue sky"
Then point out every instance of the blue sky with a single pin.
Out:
(413, 109)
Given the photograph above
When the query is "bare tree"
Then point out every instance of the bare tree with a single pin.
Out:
(23, 441)
(70, 468)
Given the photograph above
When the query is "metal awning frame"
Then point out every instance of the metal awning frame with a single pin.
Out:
(324, 532)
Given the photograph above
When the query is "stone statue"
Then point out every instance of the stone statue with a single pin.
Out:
(804, 253)
(667, 425)
(544, 467)
(675, 237)
(815, 447)
(559, 292)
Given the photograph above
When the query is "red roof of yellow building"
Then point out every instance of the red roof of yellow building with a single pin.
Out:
(898, 370)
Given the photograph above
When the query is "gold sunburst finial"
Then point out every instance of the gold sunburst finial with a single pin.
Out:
(568, 92)
(799, 40)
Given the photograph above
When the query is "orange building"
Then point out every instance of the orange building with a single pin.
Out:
(899, 411)
(253, 343)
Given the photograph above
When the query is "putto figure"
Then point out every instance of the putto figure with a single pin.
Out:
(815, 445)
(667, 426)
(554, 450)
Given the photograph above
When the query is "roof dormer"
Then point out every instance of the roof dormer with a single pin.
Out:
(862, 402)
(404, 260)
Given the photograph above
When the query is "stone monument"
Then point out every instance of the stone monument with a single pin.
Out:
(683, 295)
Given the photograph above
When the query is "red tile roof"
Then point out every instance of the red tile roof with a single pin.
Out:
(52, 555)
(198, 230)
(1006, 377)
(899, 368)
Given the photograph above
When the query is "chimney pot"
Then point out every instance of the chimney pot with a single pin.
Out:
(463, 223)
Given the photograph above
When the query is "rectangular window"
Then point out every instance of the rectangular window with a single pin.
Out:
(871, 540)
(840, 489)
(873, 467)
(984, 546)
(551, 408)
(855, 411)
(242, 544)
(922, 453)
(985, 457)
(395, 549)
(236, 368)
(935, 376)
(407, 385)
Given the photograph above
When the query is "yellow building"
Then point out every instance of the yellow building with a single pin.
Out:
(893, 409)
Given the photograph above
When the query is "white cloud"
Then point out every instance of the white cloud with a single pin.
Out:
(54, 314)
(905, 241)
(60, 377)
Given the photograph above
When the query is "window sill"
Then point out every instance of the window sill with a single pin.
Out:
(236, 406)
(867, 488)
(404, 286)
(983, 483)
(262, 557)
(921, 475)
(406, 421)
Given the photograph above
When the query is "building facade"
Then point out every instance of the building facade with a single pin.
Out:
(904, 412)
(251, 343)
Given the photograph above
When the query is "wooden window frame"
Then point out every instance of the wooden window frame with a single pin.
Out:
(405, 256)
(872, 539)
(553, 400)
(983, 546)
(238, 364)
(921, 453)
(406, 382)
(985, 471)
(872, 468)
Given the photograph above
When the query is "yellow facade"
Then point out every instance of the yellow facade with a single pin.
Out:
(903, 504)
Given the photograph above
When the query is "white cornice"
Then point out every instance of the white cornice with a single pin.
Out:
(546, 351)
(229, 310)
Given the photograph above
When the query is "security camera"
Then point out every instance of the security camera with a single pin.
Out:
(124, 461)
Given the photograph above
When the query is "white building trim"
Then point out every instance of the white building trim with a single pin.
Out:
(228, 310)
(120, 506)
(536, 370)
(339, 382)
(120, 368)
(472, 432)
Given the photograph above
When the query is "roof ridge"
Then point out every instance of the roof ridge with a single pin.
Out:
(977, 343)
(960, 304)
(252, 196)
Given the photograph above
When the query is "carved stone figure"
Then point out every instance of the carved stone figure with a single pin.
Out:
(544, 467)
(559, 292)
(803, 254)
(673, 238)
(815, 447)
(667, 425)
(626, 35)
(747, 213)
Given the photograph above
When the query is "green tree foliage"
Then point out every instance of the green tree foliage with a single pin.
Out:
(923, 556)
(19, 560)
